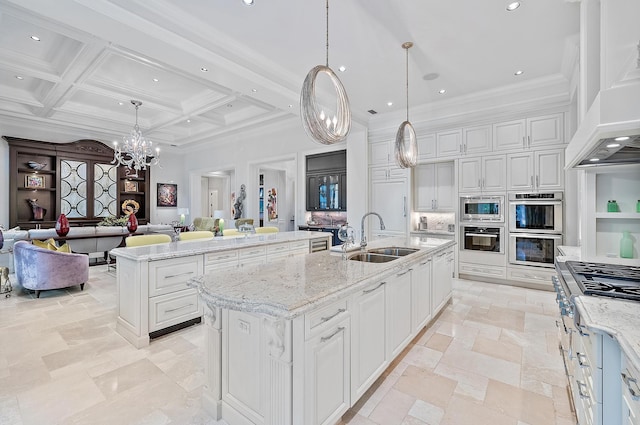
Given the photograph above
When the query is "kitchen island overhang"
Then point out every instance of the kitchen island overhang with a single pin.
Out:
(281, 336)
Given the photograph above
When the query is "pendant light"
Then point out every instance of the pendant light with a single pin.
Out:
(323, 126)
(406, 151)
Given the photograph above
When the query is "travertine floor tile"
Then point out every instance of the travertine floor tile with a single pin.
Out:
(529, 407)
(393, 408)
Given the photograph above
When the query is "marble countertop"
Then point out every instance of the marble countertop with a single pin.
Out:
(292, 286)
(615, 317)
(200, 246)
(434, 232)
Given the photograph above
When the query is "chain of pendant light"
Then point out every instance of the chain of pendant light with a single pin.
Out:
(406, 156)
(318, 125)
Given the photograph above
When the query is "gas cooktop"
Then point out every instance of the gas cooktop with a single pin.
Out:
(609, 280)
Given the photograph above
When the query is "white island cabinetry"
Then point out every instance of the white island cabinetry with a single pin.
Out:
(307, 349)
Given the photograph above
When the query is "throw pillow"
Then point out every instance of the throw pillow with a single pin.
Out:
(46, 244)
(64, 248)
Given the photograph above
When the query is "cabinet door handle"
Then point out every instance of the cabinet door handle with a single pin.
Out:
(532, 182)
(460, 147)
(169, 276)
(177, 308)
(632, 384)
(336, 332)
(524, 142)
(582, 359)
(404, 206)
(529, 141)
(480, 183)
(537, 181)
(367, 291)
(426, 262)
(340, 310)
(404, 272)
(483, 182)
(582, 389)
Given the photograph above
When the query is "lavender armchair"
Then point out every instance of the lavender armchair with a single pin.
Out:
(41, 269)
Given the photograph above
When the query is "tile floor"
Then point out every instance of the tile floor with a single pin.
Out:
(490, 358)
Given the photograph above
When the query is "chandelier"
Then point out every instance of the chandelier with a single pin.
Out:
(406, 151)
(136, 153)
(324, 126)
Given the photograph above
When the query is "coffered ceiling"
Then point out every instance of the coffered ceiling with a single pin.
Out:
(94, 56)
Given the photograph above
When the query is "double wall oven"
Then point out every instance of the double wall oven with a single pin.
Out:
(535, 228)
(482, 219)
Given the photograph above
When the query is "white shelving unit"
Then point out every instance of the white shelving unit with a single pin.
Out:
(603, 230)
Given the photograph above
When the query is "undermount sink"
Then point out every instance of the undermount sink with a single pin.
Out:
(368, 257)
(393, 250)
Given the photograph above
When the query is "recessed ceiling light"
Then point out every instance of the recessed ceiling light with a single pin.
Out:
(35, 38)
(621, 138)
(290, 106)
(389, 103)
(254, 90)
(518, 72)
(248, 2)
(203, 69)
(430, 76)
(229, 105)
(155, 80)
(120, 103)
(594, 159)
(513, 6)
(342, 68)
(19, 77)
(613, 145)
(442, 91)
(188, 120)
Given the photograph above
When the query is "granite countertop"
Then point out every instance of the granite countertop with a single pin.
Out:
(292, 286)
(616, 317)
(200, 246)
(434, 232)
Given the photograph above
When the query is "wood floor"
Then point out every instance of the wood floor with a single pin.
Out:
(491, 358)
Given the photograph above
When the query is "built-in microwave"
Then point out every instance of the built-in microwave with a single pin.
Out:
(485, 239)
(535, 212)
(533, 249)
(482, 208)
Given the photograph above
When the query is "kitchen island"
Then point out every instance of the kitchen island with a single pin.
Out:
(299, 341)
(600, 342)
(153, 297)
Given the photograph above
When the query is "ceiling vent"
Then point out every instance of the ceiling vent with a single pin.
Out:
(372, 111)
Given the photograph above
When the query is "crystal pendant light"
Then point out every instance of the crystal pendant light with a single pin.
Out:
(406, 150)
(136, 153)
(324, 126)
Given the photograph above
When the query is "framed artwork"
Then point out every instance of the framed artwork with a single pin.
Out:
(167, 195)
(130, 186)
(34, 182)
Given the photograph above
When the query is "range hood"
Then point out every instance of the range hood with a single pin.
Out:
(609, 134)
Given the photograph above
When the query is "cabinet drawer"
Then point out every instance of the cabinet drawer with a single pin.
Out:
(171, 309)
(299, 246)
(169, 276)
(315, 320)
(277, 248)
(252, 252)
(629, 378)
(221, 257)
(482, 270)
(532, 275)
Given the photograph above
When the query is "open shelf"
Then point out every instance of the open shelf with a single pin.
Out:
(32, 171)
(616, 215)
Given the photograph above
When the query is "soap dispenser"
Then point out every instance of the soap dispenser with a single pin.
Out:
(626, 245)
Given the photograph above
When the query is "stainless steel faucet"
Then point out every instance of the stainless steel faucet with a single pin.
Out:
(363, 238)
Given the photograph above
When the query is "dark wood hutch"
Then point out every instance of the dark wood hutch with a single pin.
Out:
(47, 183)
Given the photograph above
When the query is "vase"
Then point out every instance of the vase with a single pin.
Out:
(626, 246)
(132, 223)
(37, 211)
(62, 225)
(1, 239)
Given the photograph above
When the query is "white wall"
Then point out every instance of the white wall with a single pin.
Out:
(170, 170)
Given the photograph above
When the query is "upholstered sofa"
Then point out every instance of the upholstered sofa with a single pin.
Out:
(41, 269)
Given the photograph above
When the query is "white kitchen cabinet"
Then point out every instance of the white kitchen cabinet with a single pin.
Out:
(327, 365)
(426, 147)
(538, 276)
(448, 143)
(398, 308)
(421, 294)
(529, 133)
(486, 173)
(389, 199)
(434, 187)
(476, 140)
(535, 171)
(380, 153)
(630, 393)
(442, 279)
(368, 341)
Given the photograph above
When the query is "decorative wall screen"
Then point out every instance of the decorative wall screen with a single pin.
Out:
(73, 185)
(105, 190)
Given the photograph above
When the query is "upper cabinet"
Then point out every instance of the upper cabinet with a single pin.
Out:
(327, 181)
(426, 147)
(486, 173)
(76, 179)
(448, 143)
(529, 133)
(534, 171)
(476, 140)
(381, 153)
(434, 187)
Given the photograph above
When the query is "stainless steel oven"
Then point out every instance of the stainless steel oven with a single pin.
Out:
(482, 208)
(485, 239)
(533, 249)
(535, 212)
